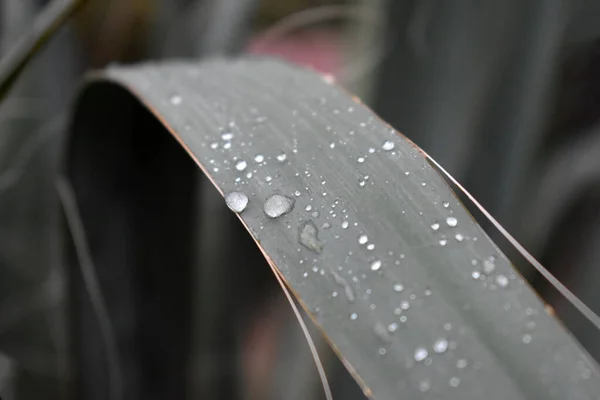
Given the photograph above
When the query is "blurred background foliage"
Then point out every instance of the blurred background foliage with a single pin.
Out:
(505, 95)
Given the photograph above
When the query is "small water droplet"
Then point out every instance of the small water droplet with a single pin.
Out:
(332, 145)
(241, 165)
(259, 158)
(227, 145)
(459, 237)
(435, 226)
(424, 386)
(403, 318)
(308, 208)
(345, 225)
(370, 246)
(214, 145)
(393, 327)
(440, 346)
(405, 305)
(443, 242)
(297, 193)
(353, 316)
(454, 381)
(371, 150)
(501, 281)
(387, 145)
(420, 354)
(451, 221)
(175, 100)
(268, 179)
(462, 363)
(362, 239)
(227, 136)
(527, 338)
(398, 287)
(382, 351)
(375, 265)
(446, 204)
(360, 160)
(277, 205)
(476, 274)
(236, 201)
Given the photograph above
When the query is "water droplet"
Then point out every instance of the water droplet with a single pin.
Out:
(332, 145)
(476, 274)
(446, 204)
(277, 205)
(345, 225)
(268, 179)
(398, 287)
(236, 201)
(241, 165)
(440, 346)
(488, 266)
(424, 386)
(387, 145)
(214, 145)
(462, 363)
(370, 246)
(405, 305)
(443, 242)
(281, 157)
(371, 150)
(502, 281)
(454, 381)
(362, 239)
(421, 354)
(227, 145)
(527, 338)
(451, 221)
(403, 318)
(308, 236)
(435, 226)
(375, 265)
(360, 160)
(259, 158)
(459, 237)
(382, 351)
(297, 193)
(227, 136)
(175, 100)
(343, 283)
(393, 327)
(308, 208)
(353, 316)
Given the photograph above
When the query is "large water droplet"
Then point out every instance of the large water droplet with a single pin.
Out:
(236, 201)
(420, 354)
(375, 265)
(343, 283)
(388, 145)
(277, 205)
(241, 165)
(488, 266)
(308, 237)
(502, 281)
(440, 345)
(451, 221)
